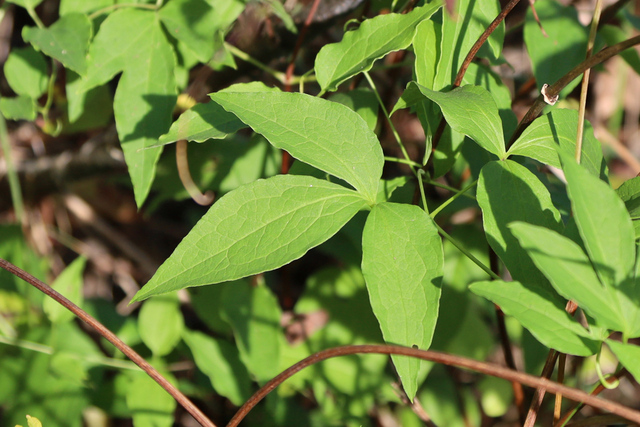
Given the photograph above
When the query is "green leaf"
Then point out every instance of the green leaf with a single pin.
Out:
(541, 313)
(219, 361)
(629, 192)
(553, 56)
(27, 4)
(570, 272)
(426, 48)
(603, 223)
(460, 31)
(68, 283)
(360, 48)
(192, 22)
(362, 101)
(26, 72)
(324, 134)
(628, 355)
(555, 132)
(254, 315)
(19, 108)
(87, 110)
(469, 110)
(150, 404)
(509, 192)
(628, 295)
(612, 35)
(33, 421)
(402, 264)
(82, 6)
(255, 228)
(202, 122)
(145, 96)
(67, 40)
(161, 324)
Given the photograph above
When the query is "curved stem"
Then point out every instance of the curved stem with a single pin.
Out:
(113, 339)
(445, 359)
(555, 89)
(182, 161)
(120, 6)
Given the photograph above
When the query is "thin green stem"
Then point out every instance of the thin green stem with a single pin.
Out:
(403, 161)
(420, 174)
(32, 13)
(449, 188)
(585, 79)
(50, 90)
(453, 198)
(121, 6)
(12, 175)
(386, 114)
(468, 254)
(279, 75)
(45, 349)
(603, 380)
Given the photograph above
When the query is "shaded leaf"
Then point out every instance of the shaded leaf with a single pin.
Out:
(67, 40)
(150, 404)
(509, 192)
(362, 101)
(26, 72)
(254, 315)
(360, 48)
(403, 265)
(324, 134)
(219, 361)
(540, 312)
(257, 227)
(193, 23)
(202, 122)
(553, 56)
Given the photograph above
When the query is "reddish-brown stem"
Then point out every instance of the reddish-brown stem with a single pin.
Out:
(540, 391)
(472, 54)
(518, 392)
(557, 409)
(445, 359)
(182, 162)
(555, 89)
(113, 339)
(575, 408)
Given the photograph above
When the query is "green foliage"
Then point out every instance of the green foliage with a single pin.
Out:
(364, 237)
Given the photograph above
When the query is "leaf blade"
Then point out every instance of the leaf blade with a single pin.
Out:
(324, 134)
(242, 234)
(374, 39)
(404, 289)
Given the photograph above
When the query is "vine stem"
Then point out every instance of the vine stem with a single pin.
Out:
(445, 359)
(113, 339)
(182, 163)
(555, 89)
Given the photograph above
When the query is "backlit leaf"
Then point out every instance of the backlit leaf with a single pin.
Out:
(68, 283)
(403, 265)
(26, 72)
(257, 227)
(628, 354)
(254, 315)
(360, 48)
(324, 134)
(161, 323)
(557, 131)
